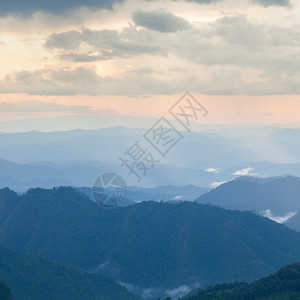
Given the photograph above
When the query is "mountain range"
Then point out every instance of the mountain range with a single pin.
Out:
(205, 158)
(152, 248)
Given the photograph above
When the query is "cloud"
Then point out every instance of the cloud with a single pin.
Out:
(244, 172)
(66, 40)
(267, 3)
(264, 3)
(145, 293)
(161, 21)
(155, 292)
(179, 291)
(233, 29)
(202, 1)
(268, 213)
(266, 51)
(93, 45)
(217, 183)
(145, 70)
(40, 106)
(86, 81)
(231, 55)
(56, 82)
(27, 8)
(212, 170)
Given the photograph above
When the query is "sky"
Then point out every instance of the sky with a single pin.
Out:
(98, 63)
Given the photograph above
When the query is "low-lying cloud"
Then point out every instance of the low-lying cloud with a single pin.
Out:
(212, 170)
(268, 213)
(244, 172)
(217, 183)
(155, 292)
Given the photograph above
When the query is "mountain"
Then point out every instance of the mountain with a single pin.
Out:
(284, 284)
(34, 278)
(21, 177)
(277, 196)
(277, 145)
(150, 246)
(204, 158)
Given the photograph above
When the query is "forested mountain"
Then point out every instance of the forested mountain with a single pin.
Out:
(149, 244)
(280, 195)
(33, 278)
(284, 284)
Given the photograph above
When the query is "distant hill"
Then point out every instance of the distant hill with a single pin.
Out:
(281, 195)
(34, 278)
(21, 177)
(204, 158)
(168, 193)
(5, 293)
(284, 284)
(150, 244)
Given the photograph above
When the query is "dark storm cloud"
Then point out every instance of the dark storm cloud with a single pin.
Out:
(160, 21)
(26, 8)
(267, 3)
